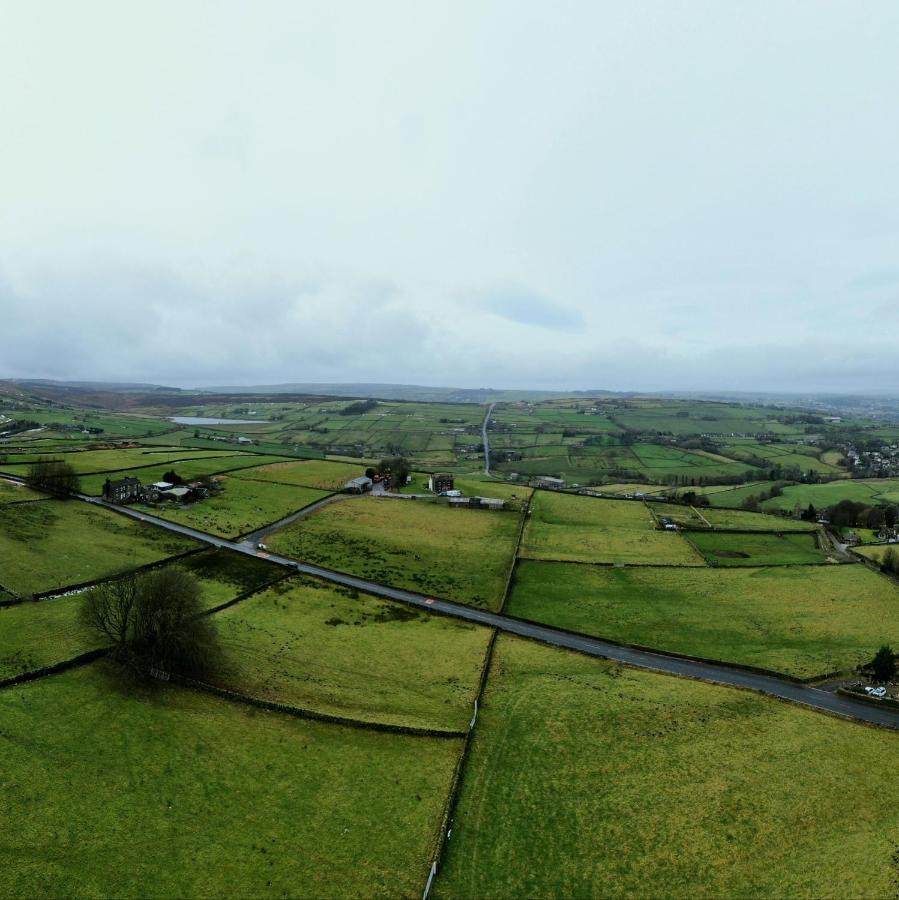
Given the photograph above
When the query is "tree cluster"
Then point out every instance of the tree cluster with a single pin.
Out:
(154, 622)
(358, 408)
(855, 514)
(53, 476)
(397, 468)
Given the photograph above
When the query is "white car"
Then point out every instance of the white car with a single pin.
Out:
(876, 692)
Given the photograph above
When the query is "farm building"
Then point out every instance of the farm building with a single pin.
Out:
(545, 481)
(123, 490)
(358, 485)
(174, 493)
(440, 481)
(477, 502)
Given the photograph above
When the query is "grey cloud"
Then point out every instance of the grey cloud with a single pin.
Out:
(526, 307)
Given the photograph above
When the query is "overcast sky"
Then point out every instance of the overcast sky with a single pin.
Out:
(627, 195)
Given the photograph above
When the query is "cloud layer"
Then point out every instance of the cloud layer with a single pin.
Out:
(644, 196)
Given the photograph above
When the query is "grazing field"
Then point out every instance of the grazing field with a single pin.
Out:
(320, 473)
(721, 548)
(34, 635)
(317, 646)
(786, 456)
(876, 552)
(590, 780)
(183, 794)
(869, 490)
(187, 469)
(731, 519)
(242, 507)
(801, 620)
(86, 462)
(57, 542)
(10, 492)
(585, 529)
(457, 554)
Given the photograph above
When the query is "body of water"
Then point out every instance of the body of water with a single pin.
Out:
(200, 420)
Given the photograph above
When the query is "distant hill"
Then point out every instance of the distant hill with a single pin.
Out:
(417, 392)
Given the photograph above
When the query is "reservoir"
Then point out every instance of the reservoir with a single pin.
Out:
(200, 420)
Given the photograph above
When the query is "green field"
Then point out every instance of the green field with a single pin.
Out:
(176, 793)
(721, 548)
(801, 620)
(10, 492)
(34, 635)
(317, 646)
(456, 554)
(56, 543)
(876, 552)
(86, 462)
(325, 474)
(188, 470)
(585, 529)
(242, 507)
(730, 519)
(872, 491)
(590, 780)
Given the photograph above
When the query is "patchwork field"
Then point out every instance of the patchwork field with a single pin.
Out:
(586, 779)
(34, 635)
(85, 462)
(242, 507)
(800, 620)
(585, 529)
(192, 795)
(457, 554)
(869, 490)
(56, 543)
(721, 548)
(317, 646)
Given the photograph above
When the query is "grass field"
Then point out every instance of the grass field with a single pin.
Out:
(318, 646)
(721, 548)
(801, 620)
(56, 543)
(457, 554)
(731, 519)
(869, 490)
(34, 635)
(319, 473)
(242, 507)
(585, 529)
(589, 780)
(180, 794)
(10, 492)
(86, 462)
(876, 552)
(187, 469)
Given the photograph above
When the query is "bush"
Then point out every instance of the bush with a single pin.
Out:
(53, 476)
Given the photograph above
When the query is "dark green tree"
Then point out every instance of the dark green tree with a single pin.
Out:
(883, 666)
(53, 476)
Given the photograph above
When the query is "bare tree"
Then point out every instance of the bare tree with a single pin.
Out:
(154, 621)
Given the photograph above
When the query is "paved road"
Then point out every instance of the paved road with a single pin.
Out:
(486, 440)
(642, 659)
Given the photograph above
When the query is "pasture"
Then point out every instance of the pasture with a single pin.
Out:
(188, 468)
(241, 507)
(721, 548)
(34, 635)
(317, 646)
(11, 492)
(585, 529)
(60, 542)
(324, 474)
(590, 780)
(456, 554)
(192, 795)
(872, 491)
(800, 620)
(730, 519)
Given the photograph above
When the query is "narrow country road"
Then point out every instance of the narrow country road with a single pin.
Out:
(642, 659)
(486, 439)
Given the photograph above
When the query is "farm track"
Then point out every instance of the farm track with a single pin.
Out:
(714, 673)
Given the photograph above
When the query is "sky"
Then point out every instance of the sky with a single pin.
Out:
(631, 195)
